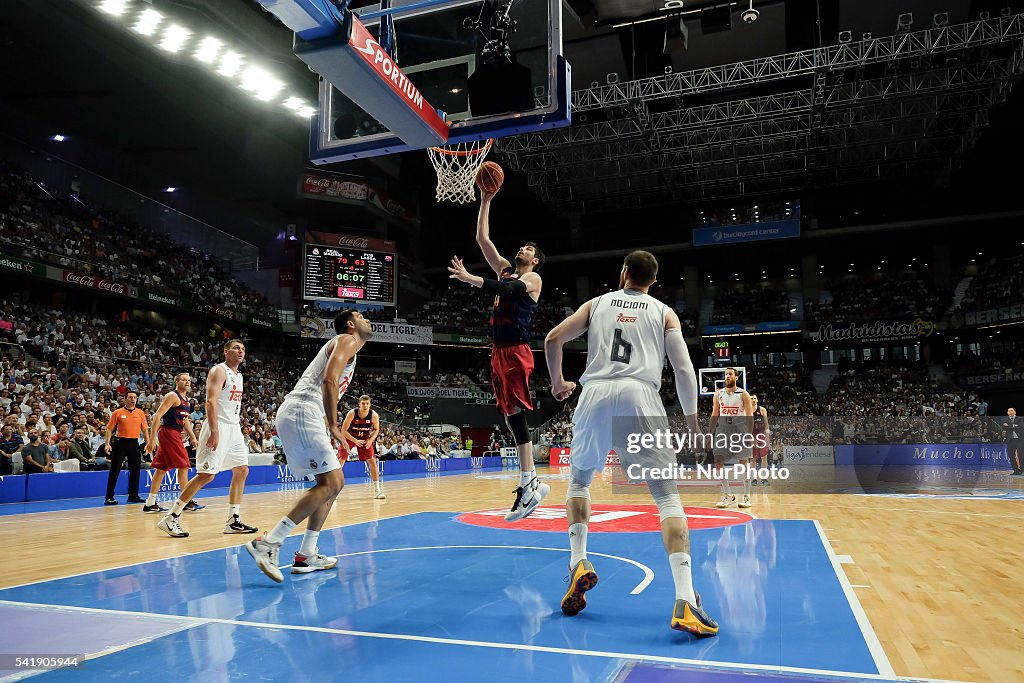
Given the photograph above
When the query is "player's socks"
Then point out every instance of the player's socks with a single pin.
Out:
(682, 577)
(151, 499)
(178, 506)
(577, 543)
(236, 511)
(747, 484)
(308, 547)
(526, 476)
(281, 531)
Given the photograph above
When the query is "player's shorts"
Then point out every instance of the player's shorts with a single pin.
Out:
(607, 414)
(304, 439)
(170, 451)
(231, 450)
(733, 435)
(363, 454)
(510, 376)
(760, 452)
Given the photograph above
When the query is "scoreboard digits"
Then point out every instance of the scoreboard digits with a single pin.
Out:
(340, 274)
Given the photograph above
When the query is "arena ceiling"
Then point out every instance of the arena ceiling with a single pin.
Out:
(641, 137)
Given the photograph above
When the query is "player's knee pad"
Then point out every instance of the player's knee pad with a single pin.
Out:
(666, 497)
(520, 431)
(579, 483)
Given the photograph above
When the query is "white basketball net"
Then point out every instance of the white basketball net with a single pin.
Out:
(456, 166)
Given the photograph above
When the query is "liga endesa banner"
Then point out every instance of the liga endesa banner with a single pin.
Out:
(560, 458)
(388, 333)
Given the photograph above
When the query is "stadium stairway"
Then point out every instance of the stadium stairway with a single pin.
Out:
(822, 377)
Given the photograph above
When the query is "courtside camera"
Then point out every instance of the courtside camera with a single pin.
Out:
(750, 14)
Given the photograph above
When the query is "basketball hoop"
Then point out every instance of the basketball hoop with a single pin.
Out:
(456, 167)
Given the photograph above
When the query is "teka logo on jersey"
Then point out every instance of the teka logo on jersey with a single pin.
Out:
(605, 518)
(354, 242)
(84, 280)
(623, 318)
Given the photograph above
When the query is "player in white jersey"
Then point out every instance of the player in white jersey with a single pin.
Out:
(629, 335)
(221, 444)
(732, 419)
(307, 423)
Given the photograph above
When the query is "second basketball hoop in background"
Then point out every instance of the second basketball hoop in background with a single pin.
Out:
(490, 177)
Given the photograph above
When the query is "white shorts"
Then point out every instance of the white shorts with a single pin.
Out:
(305, 440)
(231, 450)
(607, 413)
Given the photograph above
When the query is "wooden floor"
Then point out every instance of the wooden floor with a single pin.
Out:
(940, 579)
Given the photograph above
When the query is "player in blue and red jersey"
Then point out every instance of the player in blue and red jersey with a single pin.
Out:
(172, 418)
(516, 292)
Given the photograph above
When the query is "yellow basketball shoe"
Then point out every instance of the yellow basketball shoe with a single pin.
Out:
(693, 619)
(581, 579)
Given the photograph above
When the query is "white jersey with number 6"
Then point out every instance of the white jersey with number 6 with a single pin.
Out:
(626, 338)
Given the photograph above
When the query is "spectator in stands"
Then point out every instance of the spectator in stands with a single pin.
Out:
(10, 443)
(36, 455)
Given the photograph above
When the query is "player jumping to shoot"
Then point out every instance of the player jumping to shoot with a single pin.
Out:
(516, 292)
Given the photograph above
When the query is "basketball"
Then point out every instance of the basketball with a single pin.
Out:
(490, 177)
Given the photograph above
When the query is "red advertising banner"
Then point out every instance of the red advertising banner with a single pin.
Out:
(375, 58)
(97, 283)
(350, 241)
(316, 186)
(560, 458)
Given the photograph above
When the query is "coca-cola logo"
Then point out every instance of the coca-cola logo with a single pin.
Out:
(111, 287)
(318, 182)
(225, 312)
(354, 242)
(84, 280)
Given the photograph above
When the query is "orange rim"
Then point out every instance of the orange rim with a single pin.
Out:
(464, 152)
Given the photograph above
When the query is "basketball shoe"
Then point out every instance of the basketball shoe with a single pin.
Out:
(745, 501)
(693, 619)
(153, 508)
(726, 501)
(305, 565)
(171, 525)
(527, 499)
(581, 579)
(237, 526)
(265, 555)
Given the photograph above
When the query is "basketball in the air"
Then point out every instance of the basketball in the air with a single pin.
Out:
(490, 177)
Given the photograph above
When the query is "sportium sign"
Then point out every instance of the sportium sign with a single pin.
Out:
(363, 70)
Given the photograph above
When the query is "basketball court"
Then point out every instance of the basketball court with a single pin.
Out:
(807, 588)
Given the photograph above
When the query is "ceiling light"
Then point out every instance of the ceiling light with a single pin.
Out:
(148, 21)
(170, 188)
(230, 63)
(58, 138)
(174, 37)
(114, 7)
(260, 83)
(208, 49)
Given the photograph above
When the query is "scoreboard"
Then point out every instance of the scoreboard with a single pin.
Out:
(345, 274)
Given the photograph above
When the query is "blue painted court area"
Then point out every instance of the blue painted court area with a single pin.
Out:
(423, 597)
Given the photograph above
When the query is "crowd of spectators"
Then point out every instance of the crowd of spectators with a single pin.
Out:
(43, 224)
(750, 305)
(998, 281)
(879, 296)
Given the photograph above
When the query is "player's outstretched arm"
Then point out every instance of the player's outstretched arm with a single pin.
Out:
(567, 330)
(509, 286)
(686, 378)
(483, 237)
